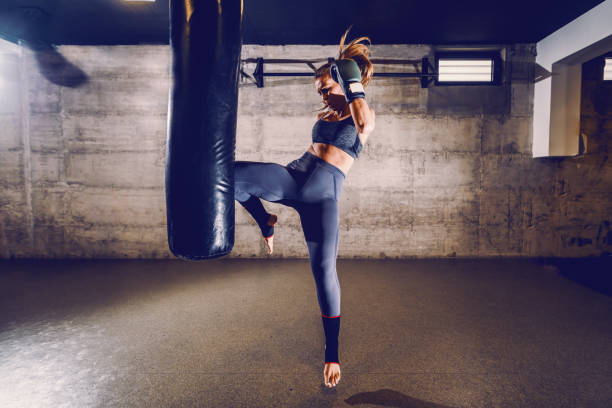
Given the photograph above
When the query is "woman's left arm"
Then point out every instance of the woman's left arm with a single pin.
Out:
(364, 118)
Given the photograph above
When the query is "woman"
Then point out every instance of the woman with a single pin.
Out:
(312, 184)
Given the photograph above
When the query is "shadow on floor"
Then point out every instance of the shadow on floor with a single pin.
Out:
(594, 273)
(390, 398)
(383, 397)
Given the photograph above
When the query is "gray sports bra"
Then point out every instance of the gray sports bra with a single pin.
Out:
(342, 134)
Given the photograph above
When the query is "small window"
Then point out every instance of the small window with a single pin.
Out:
(607, 74)
(468, 68)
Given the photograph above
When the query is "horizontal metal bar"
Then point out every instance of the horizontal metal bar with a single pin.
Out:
(385, 74)
(305, 61)
(426, 75)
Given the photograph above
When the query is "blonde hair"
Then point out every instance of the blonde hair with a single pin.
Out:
(358, 52)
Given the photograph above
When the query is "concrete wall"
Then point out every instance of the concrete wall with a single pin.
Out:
(447, 172)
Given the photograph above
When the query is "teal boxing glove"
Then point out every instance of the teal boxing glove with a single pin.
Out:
(346, 73)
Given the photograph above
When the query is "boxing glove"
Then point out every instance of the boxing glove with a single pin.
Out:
(346, 73)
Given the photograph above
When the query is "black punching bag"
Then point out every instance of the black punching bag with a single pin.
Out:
(206, 42)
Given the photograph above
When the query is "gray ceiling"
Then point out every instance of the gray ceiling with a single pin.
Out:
(273, 22)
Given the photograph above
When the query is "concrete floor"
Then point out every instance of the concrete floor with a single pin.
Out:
(248, 333)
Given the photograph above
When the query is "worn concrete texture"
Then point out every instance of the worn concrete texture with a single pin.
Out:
(447, 171)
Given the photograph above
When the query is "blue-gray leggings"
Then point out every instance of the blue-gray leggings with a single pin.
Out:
(312, 187)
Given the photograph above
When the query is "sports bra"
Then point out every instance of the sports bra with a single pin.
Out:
(342, 134)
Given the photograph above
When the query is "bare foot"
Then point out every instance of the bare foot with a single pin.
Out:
(331, 374)
(270, 240)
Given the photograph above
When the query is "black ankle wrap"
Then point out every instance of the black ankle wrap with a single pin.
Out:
(331, 327)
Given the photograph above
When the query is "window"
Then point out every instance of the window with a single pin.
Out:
(468, 68)
(607, 72)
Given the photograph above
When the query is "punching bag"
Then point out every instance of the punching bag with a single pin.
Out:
(205, 42)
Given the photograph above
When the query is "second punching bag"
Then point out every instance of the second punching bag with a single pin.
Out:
(206, 43)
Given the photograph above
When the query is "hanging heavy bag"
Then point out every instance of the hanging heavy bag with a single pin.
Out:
(206, 43)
